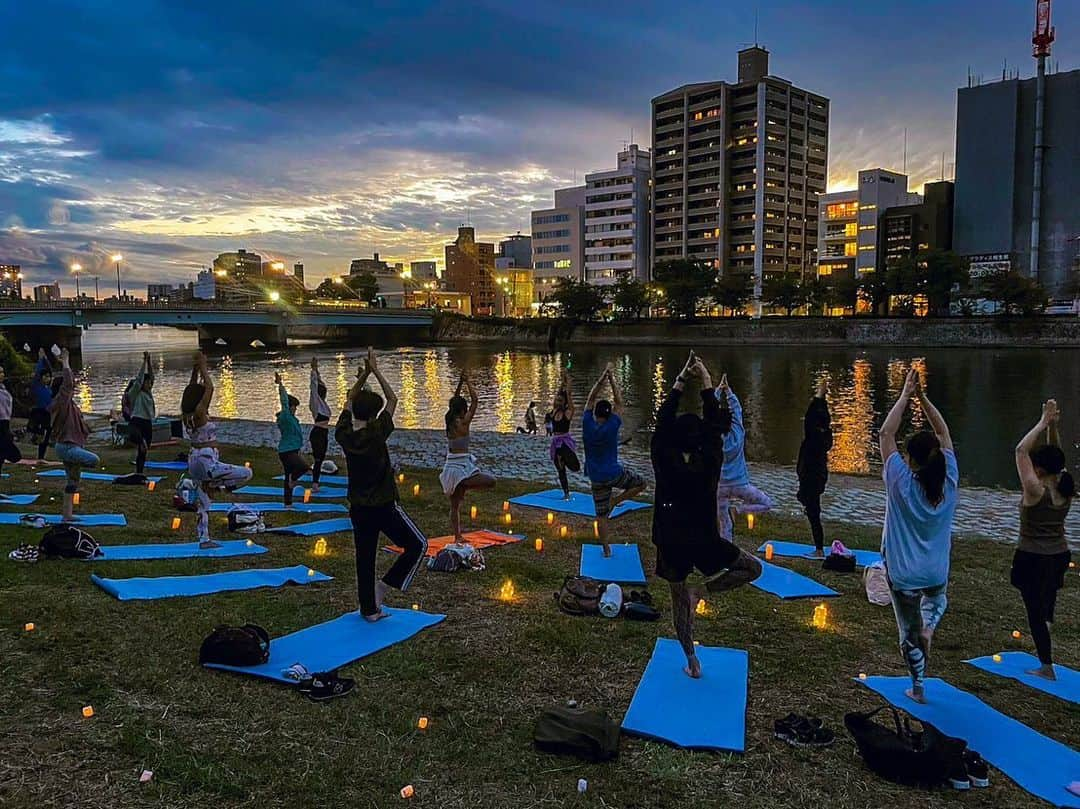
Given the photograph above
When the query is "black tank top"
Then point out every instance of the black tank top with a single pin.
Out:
(560, 425)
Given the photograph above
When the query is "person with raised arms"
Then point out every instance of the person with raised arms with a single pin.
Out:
(40, 424)
(1042, 557)
(916, 541)
(362, 431)
(600, 433)
(292, 439)
(736, 493)
(460, 472)
(319, 437)
(563, 447)
(70, 431)
(141, 411)
(812, 467)
(205, 466)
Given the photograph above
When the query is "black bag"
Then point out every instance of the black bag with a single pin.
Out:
(636, 611)
(68, 542)
(134, 479)
(247, 645)
(588, 735)
(580, 595)
(839, 562)
(905, 756)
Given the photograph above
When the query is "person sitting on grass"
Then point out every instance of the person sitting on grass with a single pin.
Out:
(460, 472)
(736, 494)
(143, 410)
(362, 431)
(916, 541)
(292, 439)
(687, 453)
(812, 467)
(9, 452)
(1042, 556)
(600, 434)
(70, 431)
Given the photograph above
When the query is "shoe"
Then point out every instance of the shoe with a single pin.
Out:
(803, 731)
(958, 778)
(977, 769)
(326, 686)
(25, 553)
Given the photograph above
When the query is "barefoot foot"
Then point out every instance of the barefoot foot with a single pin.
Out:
(1045, 671)
(375, 616)
(692, 668)
(208, 545)
(381, 589)
(916, 694)
(607, 551)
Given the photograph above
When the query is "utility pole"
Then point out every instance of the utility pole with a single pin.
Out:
(1041, 39)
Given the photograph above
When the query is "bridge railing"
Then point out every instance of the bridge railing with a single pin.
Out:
(15, 304)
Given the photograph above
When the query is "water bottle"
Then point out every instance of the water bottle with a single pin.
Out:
(611, 601)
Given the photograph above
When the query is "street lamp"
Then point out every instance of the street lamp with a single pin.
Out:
(341, 283)
(117, 258)
(275, 296)
(76, 268)
(278, 266)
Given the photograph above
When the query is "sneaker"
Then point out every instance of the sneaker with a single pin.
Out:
(977, 769)
(958, 778)
(33, 521)
(326, 686)
(25, 553)
(803, 731)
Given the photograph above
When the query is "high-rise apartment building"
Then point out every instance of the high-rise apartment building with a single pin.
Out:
(737, 171)
(470, 268)
(11, 279)
(43, 293)
(907, 230)
(517, 248)
(617, 215)
(558, 241)
(372, 266)
(423, 271)
(298, 271)
(240, 264)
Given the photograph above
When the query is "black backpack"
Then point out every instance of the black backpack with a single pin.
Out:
(68, 542)
(839, 562)
(247, 645)
(580, 595)
(588, 735)
(134, 479)
(902, 755)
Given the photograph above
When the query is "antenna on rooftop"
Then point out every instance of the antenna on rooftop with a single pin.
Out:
(905, 150)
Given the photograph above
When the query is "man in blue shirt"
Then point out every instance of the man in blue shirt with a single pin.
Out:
(600, 433)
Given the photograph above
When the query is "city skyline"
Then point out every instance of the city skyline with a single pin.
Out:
(329, 137)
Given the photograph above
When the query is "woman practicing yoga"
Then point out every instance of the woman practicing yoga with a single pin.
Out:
(1042, 557)
(563, 447)
(8, 451)
(736, 493)
(139, 397)
(39, 424)
(70, 431)
(204, 463)
(362, 430)
(812, 467)
(292, 439)
(687, 452)
(320, 414)
(460, 472)
(917, 538)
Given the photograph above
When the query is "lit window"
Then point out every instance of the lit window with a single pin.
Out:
(868, 207)
(850, 249)
(851, 229)
(868, 247)
(867, 227)
(841, 210)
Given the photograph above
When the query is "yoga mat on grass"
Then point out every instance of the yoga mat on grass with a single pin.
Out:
(18, 499)
(1036, 763)
(299, 508)
(705, 714)
(336, 643)
(579, 504)
(80, 519)
(786, 583)
(478, 539)
(310, 529)
(177, 550)
(298, 492)
(622, 567)
(333, 480)
(140, 588)
(1015, 665)
(798, 550)
(59, 473)
(171, 466)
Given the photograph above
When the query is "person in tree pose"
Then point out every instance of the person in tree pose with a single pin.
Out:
(292, 439)
(812, 467)
(320, 415)
(736, 493)
(142, 410)
(70, 431)
(460, 472)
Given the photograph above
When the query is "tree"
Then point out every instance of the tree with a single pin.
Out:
(685, 283)
(732, 291)
(1016, 293)
(364, 287)
(630, 296)
(816, 293)
(874, 287)
(943, 271)
(843, 293)
(577, 299)
(785, 292)
(904, 279)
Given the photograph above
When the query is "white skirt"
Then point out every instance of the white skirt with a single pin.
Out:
(459, 466)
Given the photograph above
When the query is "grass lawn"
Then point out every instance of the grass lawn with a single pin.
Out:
(215, 739)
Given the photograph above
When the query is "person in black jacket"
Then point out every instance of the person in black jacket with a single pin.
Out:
(687, 456)
(813, 464)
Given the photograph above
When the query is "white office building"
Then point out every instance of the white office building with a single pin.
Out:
(617, 205)
(558, 241)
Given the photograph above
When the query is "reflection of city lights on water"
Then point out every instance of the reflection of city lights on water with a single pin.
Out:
(227, 405)
(409, 417)
(504, 394)
(852, 409)
(659, 386)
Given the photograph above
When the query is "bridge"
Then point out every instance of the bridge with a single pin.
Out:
(233, 325)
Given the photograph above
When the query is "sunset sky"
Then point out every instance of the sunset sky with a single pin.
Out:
(322, 131)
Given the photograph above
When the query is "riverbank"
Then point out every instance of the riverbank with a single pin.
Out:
(974, 332)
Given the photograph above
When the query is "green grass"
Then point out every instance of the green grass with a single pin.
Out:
(482, 676)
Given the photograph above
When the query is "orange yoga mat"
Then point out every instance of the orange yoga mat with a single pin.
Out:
(478, 539)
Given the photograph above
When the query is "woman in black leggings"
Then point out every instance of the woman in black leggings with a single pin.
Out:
(563, 446)
(320, 432)
(813, 464)
(1042, 556)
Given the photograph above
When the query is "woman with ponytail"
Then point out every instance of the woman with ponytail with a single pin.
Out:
(460, 473)
(563, 450)
(917, 538)
(1042, 556)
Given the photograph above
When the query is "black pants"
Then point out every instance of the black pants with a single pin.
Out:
(390, 519)
(566, 458)
(1038, 577)
(811, 501)
(141, 434)
(40, 426)
(8, 451)
(294, 466)
(320, 437)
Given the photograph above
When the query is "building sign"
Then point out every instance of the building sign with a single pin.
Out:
(986, 264)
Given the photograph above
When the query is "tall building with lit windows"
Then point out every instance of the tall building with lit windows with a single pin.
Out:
(737, 171)
(470, 269)
(11, 279)
(617, 218)
(848, 230)
(558, 243)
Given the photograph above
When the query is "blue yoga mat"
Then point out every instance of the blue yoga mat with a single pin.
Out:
(862, 558)
(1014, 665)
(310, 529)
(333, 480)
(299, 508)
(80, 519)
(18, 499)
(298, 492)
(59, 473)
(708, 713)
(336, 643)
(169, 586)
(171, 466)
(1040, 765)
(177, 550)
(579, 503)
(623, 566)
(788, 584)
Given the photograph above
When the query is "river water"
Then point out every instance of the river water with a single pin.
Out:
(990, 397)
